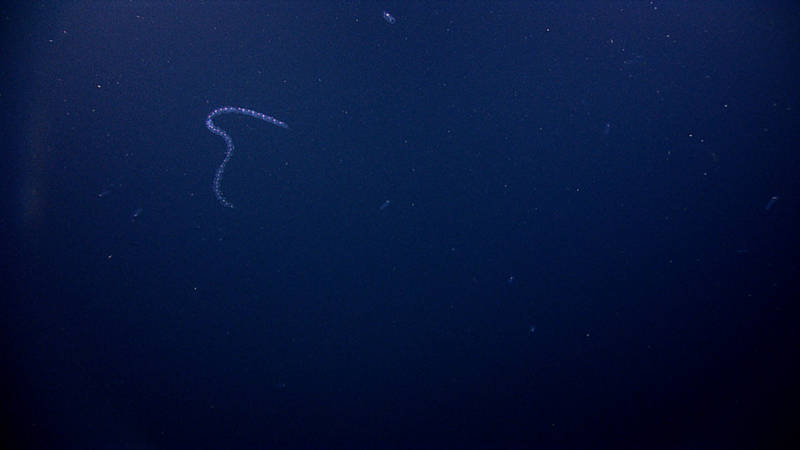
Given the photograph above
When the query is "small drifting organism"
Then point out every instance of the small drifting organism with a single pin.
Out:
(388, 18)
(385, 205)
(771, 202)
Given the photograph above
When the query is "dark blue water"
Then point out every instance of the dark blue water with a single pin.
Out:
(488, 225)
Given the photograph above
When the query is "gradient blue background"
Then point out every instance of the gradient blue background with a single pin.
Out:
(614, 158)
